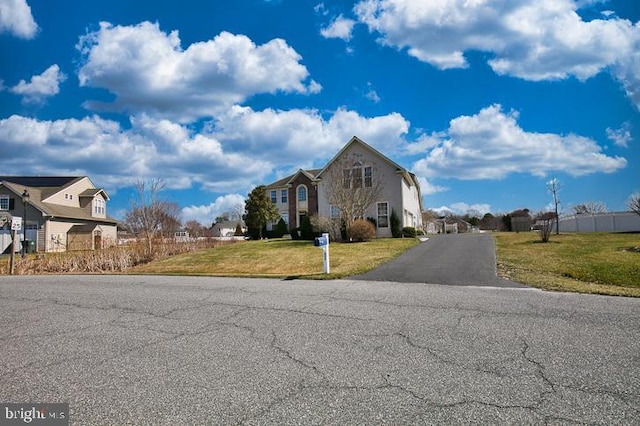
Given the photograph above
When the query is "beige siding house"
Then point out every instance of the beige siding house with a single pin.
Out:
(307, 191)
(62, 213)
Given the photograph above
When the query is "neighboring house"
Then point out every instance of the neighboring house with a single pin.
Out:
(227, 228)
(62, 213)
(305, 192)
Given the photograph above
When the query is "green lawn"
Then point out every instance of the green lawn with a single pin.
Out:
(588, 263)
(281, 258)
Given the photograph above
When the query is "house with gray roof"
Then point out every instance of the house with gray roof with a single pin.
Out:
(62, 213)
(356, 165)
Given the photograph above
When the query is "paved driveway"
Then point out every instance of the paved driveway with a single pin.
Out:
(452, 259)
(198, 350)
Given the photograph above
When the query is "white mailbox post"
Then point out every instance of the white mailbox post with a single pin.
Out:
(323, 243)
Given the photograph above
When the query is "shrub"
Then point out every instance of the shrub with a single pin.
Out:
(396, 231)
(321, 225)
(306, 231)
(238, 232)
(362, 230)
(409, 231)
(281, 228)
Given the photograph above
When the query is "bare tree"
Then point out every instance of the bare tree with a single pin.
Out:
(634, 203)
(544, 222)
(195, 229)
(590, 207)
(353, 185)
(554, 187)
(150, 215)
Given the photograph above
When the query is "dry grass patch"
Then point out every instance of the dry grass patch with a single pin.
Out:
(601, 263)
(281, 258)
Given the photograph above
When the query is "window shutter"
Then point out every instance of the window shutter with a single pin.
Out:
(12, 203)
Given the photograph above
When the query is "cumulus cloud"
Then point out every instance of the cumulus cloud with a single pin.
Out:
(206, 213)
(150, 149)
(428, 188)
(541, 40)
(40, 87)
(16, 19)
(621, 137)
(233, 154)
(491, 145)
(148, 70)
(462, 208)
(306, 134)
(340, 27)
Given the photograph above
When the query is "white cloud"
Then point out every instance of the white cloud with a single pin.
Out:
(341, 28)
(491, 145)
(150, 149)
(206, 214)
(428, 188)
(41, 86)
(148, 70)
(16, 18)
(462, 208)
(305, 135)
(234, 154)
(541, 40)
(621, 137)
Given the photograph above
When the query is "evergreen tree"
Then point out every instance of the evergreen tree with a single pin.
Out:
(259, 210)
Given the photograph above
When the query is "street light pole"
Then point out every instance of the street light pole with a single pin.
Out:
(25, 201)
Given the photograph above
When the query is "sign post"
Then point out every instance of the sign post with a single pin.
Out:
(16, 225)
(323, 243)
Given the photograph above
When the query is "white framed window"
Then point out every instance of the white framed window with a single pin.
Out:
(274, 196)
(302, 193)
(383, 215)
(346, 178)
(356, 176)
(368, 177)
(284, 195)
(285, 217)
(334, 212)
(4, 202)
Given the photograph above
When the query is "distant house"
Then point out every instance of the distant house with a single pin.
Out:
(227, 228)
(306, 192)
(62, 213)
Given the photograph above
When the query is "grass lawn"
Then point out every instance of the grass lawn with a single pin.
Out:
(281, 258)
(587, 263)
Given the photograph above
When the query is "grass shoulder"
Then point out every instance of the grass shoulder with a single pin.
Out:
(280, 258)
(598, 263)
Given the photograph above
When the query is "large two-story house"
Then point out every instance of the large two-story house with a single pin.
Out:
(62, 213)
(357, 165)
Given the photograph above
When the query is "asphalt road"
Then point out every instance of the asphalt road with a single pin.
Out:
(452, 259)
(197, 350)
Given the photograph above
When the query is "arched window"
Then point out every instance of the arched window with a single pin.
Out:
(302, 193)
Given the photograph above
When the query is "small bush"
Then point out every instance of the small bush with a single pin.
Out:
(396, 230)
(362, 230)
(238, 232)
(306, 231)
(409, 231)
(281, 229)
(333, 226)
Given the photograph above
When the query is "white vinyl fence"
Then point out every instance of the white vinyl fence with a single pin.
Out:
(601, 222)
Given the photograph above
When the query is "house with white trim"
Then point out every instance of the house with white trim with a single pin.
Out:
(62, 213)
(306, 192)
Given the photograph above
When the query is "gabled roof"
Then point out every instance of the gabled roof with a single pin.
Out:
(46, 187)
(408, 176)
(287, 180)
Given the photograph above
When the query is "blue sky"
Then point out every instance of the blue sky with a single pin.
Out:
(484, 100)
